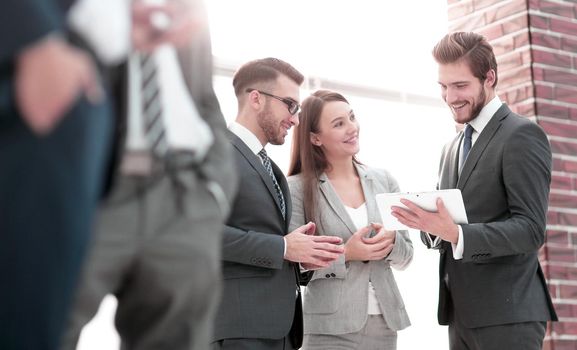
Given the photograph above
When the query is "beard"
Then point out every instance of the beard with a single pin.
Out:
(475, 107)
(270, 127)
(478, 106)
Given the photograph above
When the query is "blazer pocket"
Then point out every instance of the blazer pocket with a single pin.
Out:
(244, 271)
(503, 260)
(323, 296)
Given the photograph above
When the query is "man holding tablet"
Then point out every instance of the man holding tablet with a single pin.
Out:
(493, 293)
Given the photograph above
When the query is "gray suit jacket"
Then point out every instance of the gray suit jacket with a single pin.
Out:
(336, 298)
(196, 63)
(260, 287)
(505, 185)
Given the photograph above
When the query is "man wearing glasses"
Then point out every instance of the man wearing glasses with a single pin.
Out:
(260, 307)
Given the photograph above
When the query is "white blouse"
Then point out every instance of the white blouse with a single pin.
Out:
(359, 217)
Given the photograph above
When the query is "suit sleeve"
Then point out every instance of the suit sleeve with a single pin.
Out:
(526, 177)
(402, 254)
(23, 22)
(429, 240)
(218, 165)
(336, 269)
(253, 248)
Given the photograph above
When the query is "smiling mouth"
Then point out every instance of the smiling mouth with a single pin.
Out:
(456, 107)
(352, 139)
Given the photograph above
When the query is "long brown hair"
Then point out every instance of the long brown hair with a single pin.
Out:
(307, 159)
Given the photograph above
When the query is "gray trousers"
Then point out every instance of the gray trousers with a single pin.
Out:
(375, 335)
(157, 249)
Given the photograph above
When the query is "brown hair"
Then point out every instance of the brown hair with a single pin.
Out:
(471, 47)
(262, 71)
(307, 159)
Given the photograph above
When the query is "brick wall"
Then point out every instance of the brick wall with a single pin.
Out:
(536, 46)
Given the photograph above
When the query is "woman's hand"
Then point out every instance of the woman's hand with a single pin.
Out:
(362, 247)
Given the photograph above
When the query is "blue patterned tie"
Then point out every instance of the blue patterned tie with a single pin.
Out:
(267, 165)
(467, 142)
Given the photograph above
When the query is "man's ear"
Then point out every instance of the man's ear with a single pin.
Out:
(490, 80)
(253, 99)
(315, 140)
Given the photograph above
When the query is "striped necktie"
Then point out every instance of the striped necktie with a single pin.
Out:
(267, 165)
(152, 106)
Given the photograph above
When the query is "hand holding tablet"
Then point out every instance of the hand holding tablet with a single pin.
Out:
(452, 199)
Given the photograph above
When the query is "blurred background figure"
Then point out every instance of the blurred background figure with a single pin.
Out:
(157, 247)
(54, 132)
(354, 303)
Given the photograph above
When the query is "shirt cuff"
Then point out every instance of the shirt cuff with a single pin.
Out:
(458, 248)
(433, 244)
(284, 248)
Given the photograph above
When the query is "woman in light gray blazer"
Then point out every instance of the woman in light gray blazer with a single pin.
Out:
(355, 302)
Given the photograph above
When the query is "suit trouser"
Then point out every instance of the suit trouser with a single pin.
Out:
(514, 336)
(157, 249)
(49, 190)
(253, 344)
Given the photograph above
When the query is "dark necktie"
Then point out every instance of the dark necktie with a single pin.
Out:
(267, 165)
(467, 142)
(152, 106)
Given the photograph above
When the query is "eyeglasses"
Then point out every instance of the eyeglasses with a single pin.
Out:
(292, 105)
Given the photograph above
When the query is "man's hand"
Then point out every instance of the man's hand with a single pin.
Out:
(50, 75)
(437, 223)
(363, 248)
(313, 252)
(173, 23)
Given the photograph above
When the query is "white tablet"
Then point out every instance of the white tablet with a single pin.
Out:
(452, 199)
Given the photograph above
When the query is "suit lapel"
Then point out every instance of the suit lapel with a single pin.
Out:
(256, 163)
(368, 185)
(333, 200)
(449, 166)
(481, 144)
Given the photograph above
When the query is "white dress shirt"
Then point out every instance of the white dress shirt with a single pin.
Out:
(185, 129)
(106, 25)
(247, 137)
(360, 218)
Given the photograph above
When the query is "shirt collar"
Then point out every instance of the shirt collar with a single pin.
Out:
(246, 136)
(486, 114)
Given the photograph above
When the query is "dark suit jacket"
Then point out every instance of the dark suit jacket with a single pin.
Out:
(259, 298)
(505, 186)
(49, 189)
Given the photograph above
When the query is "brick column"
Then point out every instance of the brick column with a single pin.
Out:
(536, 46)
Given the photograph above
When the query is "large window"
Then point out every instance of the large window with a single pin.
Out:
(378, 54)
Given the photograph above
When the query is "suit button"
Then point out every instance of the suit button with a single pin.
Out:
(333, 275)
(328, 276)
